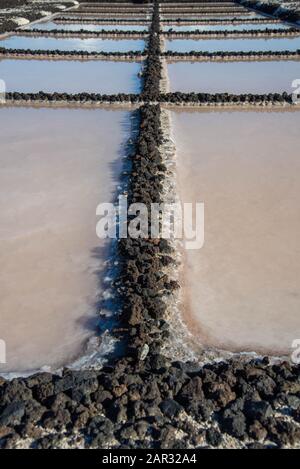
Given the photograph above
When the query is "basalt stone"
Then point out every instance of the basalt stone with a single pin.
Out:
(293, 402)
(100, 424)
(56, 420)
(128, 432)
(48, 442)
(42, 392)
(168, 437)
(101, 440)
(33, 411)
(265, 386)
(219, 392)
(151, 391)
(4, 432)
(192, 391)
(152, 410)
(257, 410)
(136, 410)
(102, 396)
(117, 413)
(30, 430)
(39, 378)
(170, 408)
(257, 431)
(141, 429)
(213, 437)
(10, 442)
(81, 419)
(283, 432)
(234, 423)
(15, 390)
(12, 414)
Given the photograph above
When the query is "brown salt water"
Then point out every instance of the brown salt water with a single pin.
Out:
(56, 167)
(49, 26)
(242, 289)
(106, 77)
(234, 45)
(72, 44)
(233, 77)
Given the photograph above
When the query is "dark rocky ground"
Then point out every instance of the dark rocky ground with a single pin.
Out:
(153, 403)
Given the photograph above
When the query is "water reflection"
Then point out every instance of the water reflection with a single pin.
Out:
(226, 45)
(233, 77)
(91, 76)
(89, 45)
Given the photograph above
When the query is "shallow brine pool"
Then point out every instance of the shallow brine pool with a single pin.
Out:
(242, 288)
(49, 26)
(71, 44)
(226, 27)
(56, 167)
(233, 77)
(224, 16)
(106, 77)
(235, 45)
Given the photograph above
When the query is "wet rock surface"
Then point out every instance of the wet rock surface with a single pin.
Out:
(153, 403)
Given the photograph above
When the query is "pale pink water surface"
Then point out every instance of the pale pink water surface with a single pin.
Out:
(242, 289)
(56, 167)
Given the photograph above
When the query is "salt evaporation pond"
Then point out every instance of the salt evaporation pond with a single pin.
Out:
(106, 77)
(72, 44)
(242, 288)
(233, 77)
(207, 16)
(57, 165)
(89, 27)
(225, 27)
(235, 45)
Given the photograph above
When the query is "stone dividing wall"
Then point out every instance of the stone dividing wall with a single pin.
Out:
(267, 32)
(143, 399)
(82, 33)
(41, 54)
(240, 55)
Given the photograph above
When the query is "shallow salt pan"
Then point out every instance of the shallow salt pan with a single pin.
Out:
(226, 45)
(211, 16)
(241, 290)
(225, 27)
(91, 76)
(56, 167)
(233, 77)
(72, 44)
(89, 27)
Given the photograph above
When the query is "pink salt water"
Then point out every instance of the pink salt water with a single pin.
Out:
(242, 289)
(97, 76)
(56, 167)
(234, 77)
